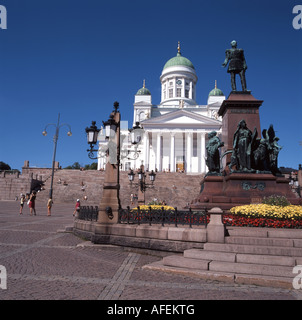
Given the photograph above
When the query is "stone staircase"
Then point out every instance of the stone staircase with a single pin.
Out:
(263, 257)
(177, 189)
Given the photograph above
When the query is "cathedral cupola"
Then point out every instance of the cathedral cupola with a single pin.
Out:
(178, 81)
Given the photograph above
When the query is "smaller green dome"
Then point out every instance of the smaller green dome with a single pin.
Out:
(216, 92)
(143, 91)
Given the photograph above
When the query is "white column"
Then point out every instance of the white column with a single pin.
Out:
(172, 152)
(189, 151)
(191, 90)
(158, 152)
(203, 152)
(146, 150)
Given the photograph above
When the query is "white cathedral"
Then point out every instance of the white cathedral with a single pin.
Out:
(176, 130)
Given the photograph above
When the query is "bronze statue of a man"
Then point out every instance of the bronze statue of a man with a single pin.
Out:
(237, 65)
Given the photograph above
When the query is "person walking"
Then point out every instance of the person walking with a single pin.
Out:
(77, 207)
(32, 203)
(22, 201)
(49, 205)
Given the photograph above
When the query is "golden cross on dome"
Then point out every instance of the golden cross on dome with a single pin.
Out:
(178, 48)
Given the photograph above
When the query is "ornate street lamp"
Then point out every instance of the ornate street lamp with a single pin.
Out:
(92, 137)
(110, 202)
(135, 137)
(142, 183)
(55, 140)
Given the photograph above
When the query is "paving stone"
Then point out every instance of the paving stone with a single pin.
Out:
(43, 264)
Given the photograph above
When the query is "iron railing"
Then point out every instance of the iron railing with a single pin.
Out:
(151, 216)
(88, 213)
(164, 217)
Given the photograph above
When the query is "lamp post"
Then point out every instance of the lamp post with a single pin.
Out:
(55, 140)
(110, 202)
(142, 183)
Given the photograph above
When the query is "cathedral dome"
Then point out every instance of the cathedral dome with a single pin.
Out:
(216, 92)
(143, 91)
(179, 60)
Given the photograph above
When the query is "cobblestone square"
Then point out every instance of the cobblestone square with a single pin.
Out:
(45, 263)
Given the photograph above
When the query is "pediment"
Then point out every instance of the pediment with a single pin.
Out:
(181, 118)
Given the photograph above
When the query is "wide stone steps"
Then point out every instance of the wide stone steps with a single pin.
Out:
(279, 242)
(239, 257)
(177, 189)
(229, 267)
(262, 257)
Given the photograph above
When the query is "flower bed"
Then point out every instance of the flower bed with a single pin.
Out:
(155, 207)
(264, 215)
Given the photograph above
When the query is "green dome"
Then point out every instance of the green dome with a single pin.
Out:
(179, 60)
(216, 92)
(143, 91)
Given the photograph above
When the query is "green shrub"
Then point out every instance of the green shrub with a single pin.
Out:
(275, 200)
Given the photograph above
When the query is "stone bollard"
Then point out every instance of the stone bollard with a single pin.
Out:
(215, 229)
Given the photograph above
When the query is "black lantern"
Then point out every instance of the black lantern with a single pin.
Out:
(141, 174)
(135, 133)
(131, 175)
(110, 127)
(92, 134)
(152, 176)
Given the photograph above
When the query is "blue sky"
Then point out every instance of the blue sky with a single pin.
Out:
(77, 57)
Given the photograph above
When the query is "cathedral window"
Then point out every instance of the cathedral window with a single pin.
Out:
(187, 93)
(170, 93)
(178, 92)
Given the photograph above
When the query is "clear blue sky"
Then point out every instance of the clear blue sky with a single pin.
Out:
(78, 57)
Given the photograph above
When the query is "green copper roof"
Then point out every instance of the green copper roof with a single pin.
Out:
(216, 91)
(179, 60)
(143, 91)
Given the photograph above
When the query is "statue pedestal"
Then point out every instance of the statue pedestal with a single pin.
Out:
(238, 106)
(238, 189)
(246, 186)
(110, 204)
